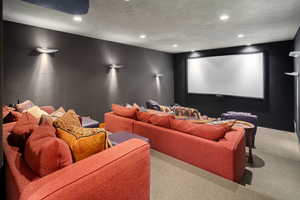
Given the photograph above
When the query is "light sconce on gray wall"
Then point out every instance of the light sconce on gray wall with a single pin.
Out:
(46, 50)
(295, 54)
(113, 66)
(158, 75)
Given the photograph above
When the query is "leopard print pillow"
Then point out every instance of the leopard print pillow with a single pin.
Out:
(67, 121)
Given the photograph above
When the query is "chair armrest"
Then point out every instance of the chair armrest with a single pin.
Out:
(121, 172)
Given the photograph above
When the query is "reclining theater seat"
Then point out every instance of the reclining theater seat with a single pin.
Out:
(225, 157)
(111, 174)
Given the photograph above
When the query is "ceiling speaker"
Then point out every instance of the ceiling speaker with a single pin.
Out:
(74, 7)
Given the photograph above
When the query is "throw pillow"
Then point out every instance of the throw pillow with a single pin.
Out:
(161, 120)
(144, 116)
(6, 110)
(36, 112)
(46, 120)
(84, 142)
(124, 112)
(22, 130)
(58, 113)
(12, 116)
(69, 119)
(21, 107)
(45, 153)
(207, 131)
(48, 109)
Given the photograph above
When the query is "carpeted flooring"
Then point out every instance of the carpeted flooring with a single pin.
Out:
(275, 174)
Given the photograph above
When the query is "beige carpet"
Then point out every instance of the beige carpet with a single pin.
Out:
(274, 175)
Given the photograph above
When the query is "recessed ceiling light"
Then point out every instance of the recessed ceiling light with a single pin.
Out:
(143, 36)
(224, 17)
(127, 0)
(175, 45)
(241, 35)
(249, 44)
(77, 18)
(193, 50)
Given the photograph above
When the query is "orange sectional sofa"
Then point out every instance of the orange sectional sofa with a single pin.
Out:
(225, 157)
(110, 174)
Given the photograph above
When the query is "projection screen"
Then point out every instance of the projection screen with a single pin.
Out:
(235, 75)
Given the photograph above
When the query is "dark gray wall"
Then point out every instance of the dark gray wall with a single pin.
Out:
(76, 77)
(297, 82)
(275, 111)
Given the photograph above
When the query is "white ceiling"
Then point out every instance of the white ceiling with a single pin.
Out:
(192, 24)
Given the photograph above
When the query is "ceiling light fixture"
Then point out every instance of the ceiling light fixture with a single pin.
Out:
(46, 50)
(241, 35)
(224, 17)
(77, 18)
(143, 36)
(127, 0)
(175, 45)
(249, 44)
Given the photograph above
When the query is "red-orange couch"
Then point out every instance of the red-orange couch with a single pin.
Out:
(121, 172)
(225, 157)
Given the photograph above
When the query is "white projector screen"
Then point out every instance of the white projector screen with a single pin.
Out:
(235, 75)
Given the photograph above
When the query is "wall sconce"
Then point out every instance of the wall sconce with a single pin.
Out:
(158, 75)
(294, 54)
(46, 50)
(113, 66)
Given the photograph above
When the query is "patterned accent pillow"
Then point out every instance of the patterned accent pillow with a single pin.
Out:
(36, 112)
(84, 142)
(67, 121)
(21, 107)
(58, 113)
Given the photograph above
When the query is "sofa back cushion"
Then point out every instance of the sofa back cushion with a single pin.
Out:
(161, 120)
(144, 116)
(45, 153)
(210, 132)
(124, 112)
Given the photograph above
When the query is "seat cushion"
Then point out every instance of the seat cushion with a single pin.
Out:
(207, 131)
(84, 142)
(45, 153)
(124, 111)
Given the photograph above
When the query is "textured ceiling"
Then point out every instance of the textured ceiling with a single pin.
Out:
(192, 24)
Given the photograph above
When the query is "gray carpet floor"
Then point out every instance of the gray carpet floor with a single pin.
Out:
(275, 174)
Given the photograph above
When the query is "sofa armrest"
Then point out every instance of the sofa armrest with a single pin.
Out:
(121, 172)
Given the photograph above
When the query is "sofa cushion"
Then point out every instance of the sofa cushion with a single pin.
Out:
(144, 116)
(211, 132)
(161, 120)
(45, 153)
(84, 142)
(21, 107)
(36, 111)
(124, 112)
(48, 109)
(67, 121)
